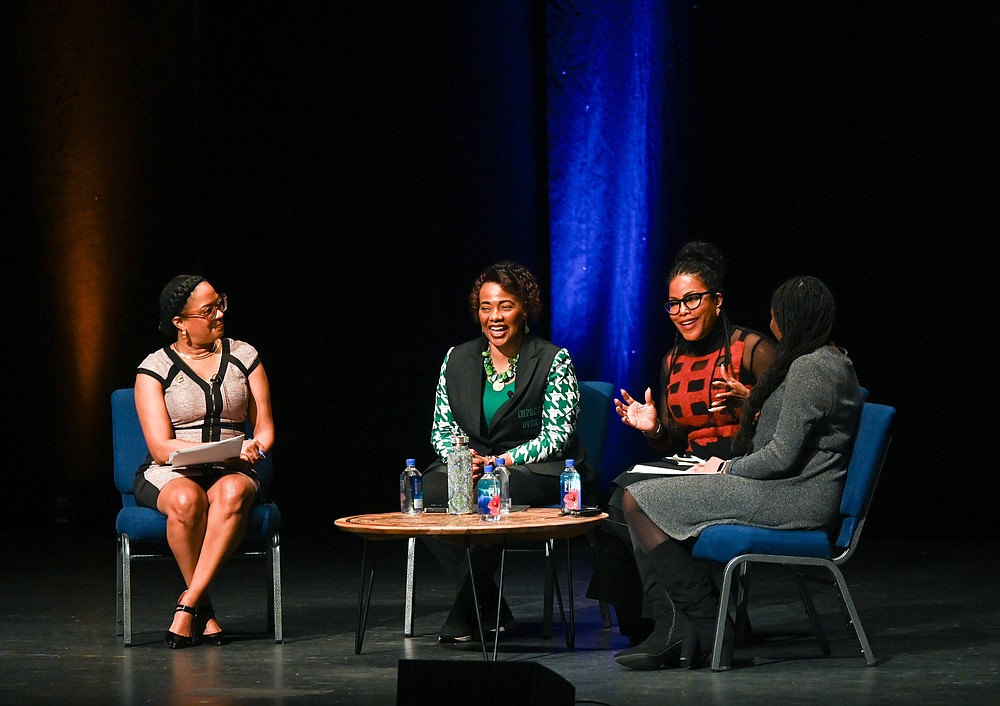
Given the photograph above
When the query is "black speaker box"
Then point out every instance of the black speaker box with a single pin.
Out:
(482, 683)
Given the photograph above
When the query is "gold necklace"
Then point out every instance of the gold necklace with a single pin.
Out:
(207, 354)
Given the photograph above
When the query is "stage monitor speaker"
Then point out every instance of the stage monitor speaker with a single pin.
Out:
(440, 681)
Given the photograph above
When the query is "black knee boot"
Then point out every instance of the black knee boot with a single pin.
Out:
(691, 587)
(616, 581)
(673, 638)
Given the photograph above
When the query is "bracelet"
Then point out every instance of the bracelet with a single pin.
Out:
(659, 428)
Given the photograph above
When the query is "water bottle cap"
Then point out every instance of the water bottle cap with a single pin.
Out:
(488, 468)
(411, 462)
(570, 462)
(501, 462)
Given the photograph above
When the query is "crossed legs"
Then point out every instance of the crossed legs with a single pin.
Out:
(203, 530)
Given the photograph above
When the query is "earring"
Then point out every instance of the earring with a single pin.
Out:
(187, 336)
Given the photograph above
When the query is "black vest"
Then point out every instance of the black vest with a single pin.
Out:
(519, 418)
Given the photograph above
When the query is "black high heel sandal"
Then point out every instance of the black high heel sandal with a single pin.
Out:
(219, 638)
(179, 642)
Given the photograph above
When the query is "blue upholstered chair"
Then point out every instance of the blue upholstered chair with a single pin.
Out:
(739, 546)
(147, 528)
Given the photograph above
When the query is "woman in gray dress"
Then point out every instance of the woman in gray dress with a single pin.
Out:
(798, 425)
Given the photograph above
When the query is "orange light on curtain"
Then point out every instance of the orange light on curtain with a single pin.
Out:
(83, 146)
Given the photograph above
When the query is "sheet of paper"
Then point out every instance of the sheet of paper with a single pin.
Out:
(660, 470)
(211, 452)
(667, 466)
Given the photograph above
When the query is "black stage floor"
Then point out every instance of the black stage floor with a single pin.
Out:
(929, 609)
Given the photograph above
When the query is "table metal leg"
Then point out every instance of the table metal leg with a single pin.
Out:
(365, 595)
(551, 561)
(496, 632)
(475, 598)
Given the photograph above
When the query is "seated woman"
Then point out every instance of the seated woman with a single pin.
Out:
(798, 424)
(199, 388)
(516, 397)
(704, 379)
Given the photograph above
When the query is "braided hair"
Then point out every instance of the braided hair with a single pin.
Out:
(514, 278)
(173, 298)
(804, 310)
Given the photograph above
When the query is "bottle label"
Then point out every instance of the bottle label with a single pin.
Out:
(489, 498)
(418, 493)
(571, 495)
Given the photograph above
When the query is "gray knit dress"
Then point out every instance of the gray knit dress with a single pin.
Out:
(794, 477)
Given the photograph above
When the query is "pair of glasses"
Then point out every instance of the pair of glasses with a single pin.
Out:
(209, 312)
(691, 302)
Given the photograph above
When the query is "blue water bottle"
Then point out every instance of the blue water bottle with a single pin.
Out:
(411, 489)
(488, 493)
(570, 486)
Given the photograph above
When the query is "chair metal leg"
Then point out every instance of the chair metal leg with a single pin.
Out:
(274, 604)
(723, 615)
(807, 601)
(411, 550)
(848, 602)
(125, 586)
(741, 617)
(118, 587)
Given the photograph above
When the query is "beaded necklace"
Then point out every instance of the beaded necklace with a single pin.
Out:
(499, 379)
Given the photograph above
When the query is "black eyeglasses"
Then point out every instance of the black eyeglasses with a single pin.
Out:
(209, 312)
(691, 302)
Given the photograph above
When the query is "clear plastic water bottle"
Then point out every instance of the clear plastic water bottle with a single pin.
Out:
(488, 493)
(411, 489)
(570, 487)
(461, 491)
(503, 478)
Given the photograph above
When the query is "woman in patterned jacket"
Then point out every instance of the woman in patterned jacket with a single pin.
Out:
(516, 397)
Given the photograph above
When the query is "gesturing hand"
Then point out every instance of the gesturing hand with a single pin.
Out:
(728, 391)
(641, 415)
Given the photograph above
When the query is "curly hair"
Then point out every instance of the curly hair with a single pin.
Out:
(173, 298)
(804, 310)
(514, 278)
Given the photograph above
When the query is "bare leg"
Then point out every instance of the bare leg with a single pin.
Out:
(186, 506)
(203, 529)
(230, 500)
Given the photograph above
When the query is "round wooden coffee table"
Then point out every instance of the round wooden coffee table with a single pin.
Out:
(534, 524)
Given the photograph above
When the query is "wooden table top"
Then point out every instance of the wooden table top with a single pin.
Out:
(533, 523)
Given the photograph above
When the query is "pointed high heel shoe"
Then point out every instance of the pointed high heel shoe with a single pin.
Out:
(219, 638)
(179, 642)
